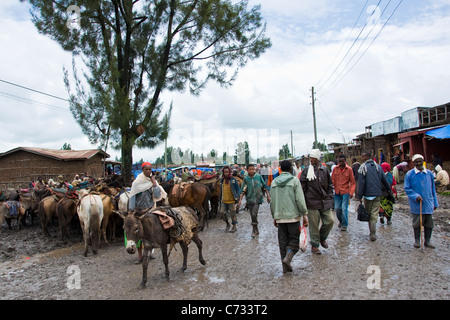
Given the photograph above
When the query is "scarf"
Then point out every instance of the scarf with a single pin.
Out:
(143, 183)
(227, 177)
(311, 174)
(363, 167)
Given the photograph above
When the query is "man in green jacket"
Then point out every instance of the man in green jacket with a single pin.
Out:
(254, 188)
(288, 206)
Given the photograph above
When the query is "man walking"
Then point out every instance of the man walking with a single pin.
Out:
(421, 192)
(229, 195)
(318, 189)
(344, 189)
(288, 207)
(371, 181)
(254, 188)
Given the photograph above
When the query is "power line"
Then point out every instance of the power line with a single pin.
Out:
(351, 47)
(343, 44)
(21, 99)
(34, 90)
(338, 80)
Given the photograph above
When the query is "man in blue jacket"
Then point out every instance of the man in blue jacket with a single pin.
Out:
(371, 181)
(419, 186)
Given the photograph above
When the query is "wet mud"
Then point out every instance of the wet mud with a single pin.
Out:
(238, 267)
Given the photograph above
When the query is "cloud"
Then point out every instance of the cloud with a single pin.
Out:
(405, 67)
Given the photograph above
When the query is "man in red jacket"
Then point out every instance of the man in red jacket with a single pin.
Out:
(344, 188)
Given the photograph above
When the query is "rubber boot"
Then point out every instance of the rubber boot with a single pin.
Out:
(287, 260)
(428, 232)
(373, 230)
(233, 227)
(416, 237)
(255, 231)
(284, 266)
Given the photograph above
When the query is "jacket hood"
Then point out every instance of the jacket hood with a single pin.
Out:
(283, 179)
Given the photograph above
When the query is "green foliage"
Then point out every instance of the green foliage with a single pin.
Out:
(66, 146)
(133, 50)
(285, 152)
(242, 153)
(321, 146)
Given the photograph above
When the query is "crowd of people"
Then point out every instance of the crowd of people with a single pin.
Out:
(307, 195)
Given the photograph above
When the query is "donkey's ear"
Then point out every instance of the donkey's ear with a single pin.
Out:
(141, 213)
(121, 214)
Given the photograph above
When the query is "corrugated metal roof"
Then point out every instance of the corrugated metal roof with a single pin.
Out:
(64, 155)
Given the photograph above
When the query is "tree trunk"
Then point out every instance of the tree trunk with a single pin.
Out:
(127, 157)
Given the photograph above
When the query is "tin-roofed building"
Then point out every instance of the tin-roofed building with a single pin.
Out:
(22, 165)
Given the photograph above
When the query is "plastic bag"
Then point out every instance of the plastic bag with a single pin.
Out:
(363, 215)
(303, 238)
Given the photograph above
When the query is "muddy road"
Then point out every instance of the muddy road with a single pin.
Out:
(237, 266)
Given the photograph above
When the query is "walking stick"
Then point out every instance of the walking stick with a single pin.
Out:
(421, 227)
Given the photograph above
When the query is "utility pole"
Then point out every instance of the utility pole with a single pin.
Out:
(165, 160)
(292, 146)
(314, 118)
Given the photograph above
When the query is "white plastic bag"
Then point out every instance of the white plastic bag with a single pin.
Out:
(303, 238)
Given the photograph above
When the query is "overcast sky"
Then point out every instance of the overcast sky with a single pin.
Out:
(399, 61)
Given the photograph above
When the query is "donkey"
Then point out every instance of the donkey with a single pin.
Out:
(11, 210)
(145, 225)
(194, 195)
(46, 211)
(90, 213)
(66, 209)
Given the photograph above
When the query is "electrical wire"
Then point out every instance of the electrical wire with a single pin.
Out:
(351, 68)
(351, 47)
(343, 44)
(34, 90)
(342, 75)
(42, 104)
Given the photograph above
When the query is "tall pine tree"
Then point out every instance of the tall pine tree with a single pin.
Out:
(133, 50)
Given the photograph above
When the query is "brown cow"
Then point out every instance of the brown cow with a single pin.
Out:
(6, 213)
(145, 226)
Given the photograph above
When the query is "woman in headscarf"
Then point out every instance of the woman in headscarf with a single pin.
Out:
(387, 203)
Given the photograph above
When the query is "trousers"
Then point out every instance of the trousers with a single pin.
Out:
(288, 237)
(316, 234)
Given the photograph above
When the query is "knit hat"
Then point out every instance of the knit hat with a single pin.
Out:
(417, 156)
